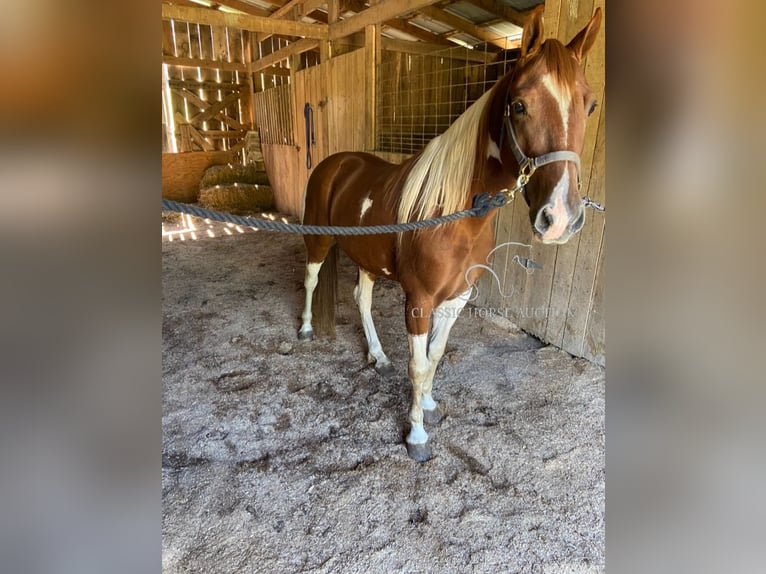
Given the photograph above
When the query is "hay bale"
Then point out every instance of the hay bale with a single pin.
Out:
(237, 198)
(231, 174)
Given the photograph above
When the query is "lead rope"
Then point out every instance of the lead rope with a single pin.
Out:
(308, 116)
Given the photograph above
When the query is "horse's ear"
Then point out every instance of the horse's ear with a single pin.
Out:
(532, 35)
(583, 42)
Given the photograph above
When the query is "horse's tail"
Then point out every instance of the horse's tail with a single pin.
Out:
(325, 295)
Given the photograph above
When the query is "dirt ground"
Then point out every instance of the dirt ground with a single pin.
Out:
(285, 456)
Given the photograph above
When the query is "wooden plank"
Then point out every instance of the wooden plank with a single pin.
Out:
(243, 7)
(465, 26)
(385, 10)
(199, 139)
(213, 108)
(567, 257)
(282, 164)
(206, 64)
(168, 48)
(197, 85)
(372, 65)
(594, 342)
(295, 48)
(584, 275)
(245, 22)
(191, 98)
(286, 8)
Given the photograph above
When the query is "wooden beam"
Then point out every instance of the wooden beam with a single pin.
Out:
(205, 85)
(372, 57)
(244, 7)
(465, 26)
(506, 12)
(244, 22)
(286, 8)
(295, 48)
(427, 48)
(385, 10)
(206, 64)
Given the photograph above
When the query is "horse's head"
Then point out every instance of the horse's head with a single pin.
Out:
(548, 103)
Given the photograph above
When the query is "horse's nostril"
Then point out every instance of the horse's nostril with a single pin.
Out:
(544, 220)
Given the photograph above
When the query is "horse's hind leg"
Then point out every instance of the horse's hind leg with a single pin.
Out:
(444, 318)
(363, 297)
(317, 247)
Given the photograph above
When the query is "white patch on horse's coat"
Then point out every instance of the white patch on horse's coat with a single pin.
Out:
(427, 402)
(363, 297)
(386, 271)
(558, 210)
(366, 204)
(563, 99)
(442, 176)
(418, 370)
(418, 434)
(493, 151)
(310, 283)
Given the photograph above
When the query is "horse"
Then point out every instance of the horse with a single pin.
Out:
(528, 128)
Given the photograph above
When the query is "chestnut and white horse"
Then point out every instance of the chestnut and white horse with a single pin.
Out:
(532, 122)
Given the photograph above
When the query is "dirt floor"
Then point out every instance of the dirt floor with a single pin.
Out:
(285, 456)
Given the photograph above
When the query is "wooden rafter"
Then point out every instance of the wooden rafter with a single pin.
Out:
(244, 22)
(243, 7)
(465, 26)
(385, 10)
(278, 13)
(293, 49)
(205, 64)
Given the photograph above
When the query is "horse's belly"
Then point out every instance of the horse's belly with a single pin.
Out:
(373, 253)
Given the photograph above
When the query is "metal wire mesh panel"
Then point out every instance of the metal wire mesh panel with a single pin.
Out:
(420, 95)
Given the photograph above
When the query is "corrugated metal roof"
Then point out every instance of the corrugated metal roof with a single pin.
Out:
(505, 30)
(469, 12)
(431, 25)
(466, 40)
(398, 34)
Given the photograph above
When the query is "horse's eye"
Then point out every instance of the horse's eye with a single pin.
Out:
(519, 108)
(592, 108)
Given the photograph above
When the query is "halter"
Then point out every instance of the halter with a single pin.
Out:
(528, 165)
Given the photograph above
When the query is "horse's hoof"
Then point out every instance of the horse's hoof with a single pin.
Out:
(432, 417)
(385, 369)
(306, 335)
(419, 452)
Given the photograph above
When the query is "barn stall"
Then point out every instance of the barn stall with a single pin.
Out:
(288, 456)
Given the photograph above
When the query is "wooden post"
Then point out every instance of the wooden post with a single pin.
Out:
(372, 64)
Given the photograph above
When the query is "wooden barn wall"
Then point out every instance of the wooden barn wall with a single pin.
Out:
(210, 103)
(332, 90)
(563, 303)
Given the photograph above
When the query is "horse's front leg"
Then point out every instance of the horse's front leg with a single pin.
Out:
(418, 316)
(444, 317)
